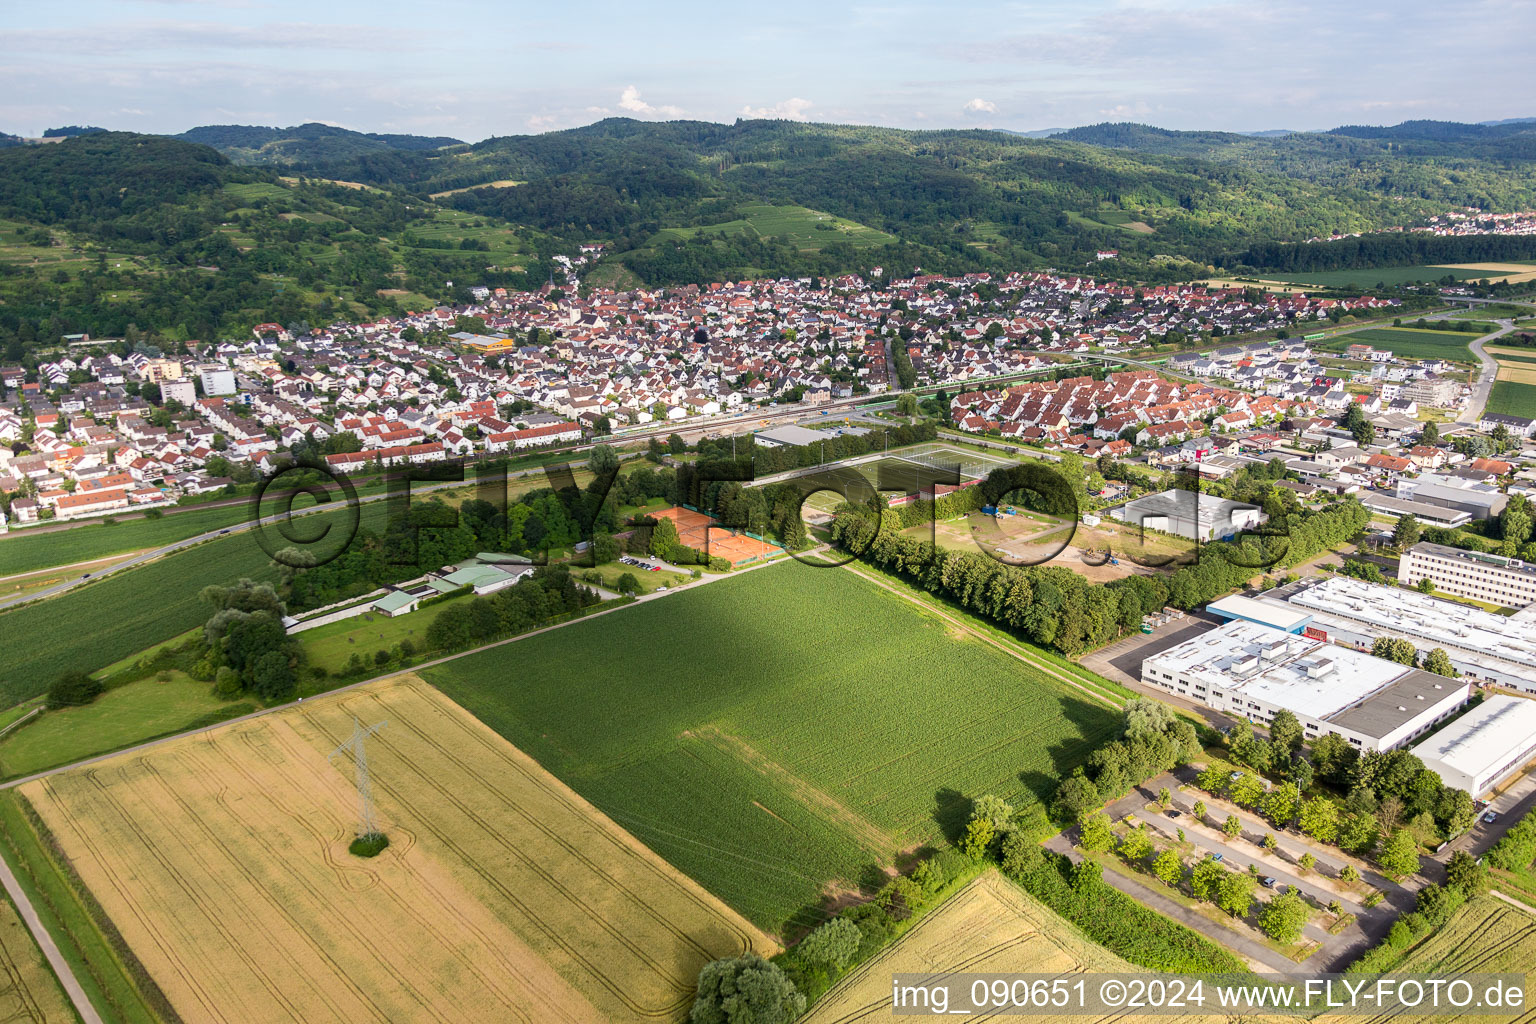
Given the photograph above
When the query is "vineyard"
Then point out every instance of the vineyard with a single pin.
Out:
(222, 858)
(779, 735)
(989, 927)
(28, 992)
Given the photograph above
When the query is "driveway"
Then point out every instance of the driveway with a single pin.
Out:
(1121, 661)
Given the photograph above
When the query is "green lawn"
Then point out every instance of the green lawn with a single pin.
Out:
(1513, 398)
(1369, 278)
(121, 717)
(647, 580)
(332, 645)
(780, 731)
(1405, 342)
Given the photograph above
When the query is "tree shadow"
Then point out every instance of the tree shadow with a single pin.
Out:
(951, 810)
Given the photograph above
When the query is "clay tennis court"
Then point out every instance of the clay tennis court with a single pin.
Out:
(701, 532)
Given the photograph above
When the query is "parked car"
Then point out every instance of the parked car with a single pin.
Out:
(1218, 856)
(1175, 814)
(1268, 881)
(1491, 816)
(661, 590)
(85, 576)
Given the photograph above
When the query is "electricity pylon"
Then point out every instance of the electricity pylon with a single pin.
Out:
(360, 758)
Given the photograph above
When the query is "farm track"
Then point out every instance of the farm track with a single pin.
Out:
(875, 839)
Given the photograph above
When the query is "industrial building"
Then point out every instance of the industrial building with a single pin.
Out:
(791, 437)
(1435, 515)
(1273, 614)
(1485, 746)
(1249, 669)
(1477, 500)
(1483, 646)
(1494, 579)
(1189, 514)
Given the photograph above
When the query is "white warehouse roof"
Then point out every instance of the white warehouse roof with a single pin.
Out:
(1266, 613)
(1429, 621)
(1311, 678)
(1485, 738)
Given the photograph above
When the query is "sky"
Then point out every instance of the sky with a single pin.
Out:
(476, 69)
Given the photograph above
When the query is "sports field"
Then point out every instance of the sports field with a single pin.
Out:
(989, 927)
(702, 533)
(222, 858)
(780, 734)
(908, 468)
(29, 994)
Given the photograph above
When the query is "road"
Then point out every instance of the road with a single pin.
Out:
(50, 949)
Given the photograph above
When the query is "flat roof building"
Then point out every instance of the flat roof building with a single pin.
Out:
(1265, 613)
(1508, 582)
(791, 437)
(1483, 747)
(1253, 670)
(1436, 514)
(1483, 646)
(1189, 514)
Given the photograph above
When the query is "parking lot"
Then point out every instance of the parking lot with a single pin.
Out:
(1121, 661)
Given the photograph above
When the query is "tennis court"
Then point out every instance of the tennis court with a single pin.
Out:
(702, 533)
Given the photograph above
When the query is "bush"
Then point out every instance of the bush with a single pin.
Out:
(370, 845)
(834, 944)
(73, 689)
(226, 682)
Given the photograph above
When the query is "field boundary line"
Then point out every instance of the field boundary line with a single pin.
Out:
(962, 625)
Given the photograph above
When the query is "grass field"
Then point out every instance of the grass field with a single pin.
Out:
(989, 927)
(127, 612)
(1513, 398)
(122, 716)
(1368, 278)
(24, 551)
(332, 645)
(805, 229)
(502, 896)
(29, 993)
(1118, 219)
(1405, 342)
(782, 734)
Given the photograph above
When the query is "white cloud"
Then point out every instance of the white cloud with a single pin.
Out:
(630, 100)
(792, 109)
(981, 106)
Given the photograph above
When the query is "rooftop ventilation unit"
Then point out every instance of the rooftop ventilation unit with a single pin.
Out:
(1319, 668)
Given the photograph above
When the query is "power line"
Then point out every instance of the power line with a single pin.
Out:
(355, 745)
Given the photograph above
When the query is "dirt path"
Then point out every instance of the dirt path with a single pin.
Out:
(960, 624)
(50, 949)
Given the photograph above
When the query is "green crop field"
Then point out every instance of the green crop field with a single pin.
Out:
(121, 717)
(1368, 278)
(781, 733)
(1513, 399)
(23, 551)
(805, 229)
(1409, 344)
(126, 612)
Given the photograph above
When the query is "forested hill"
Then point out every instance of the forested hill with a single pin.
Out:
(305, 144)
(1488, 166)
(114, 233)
